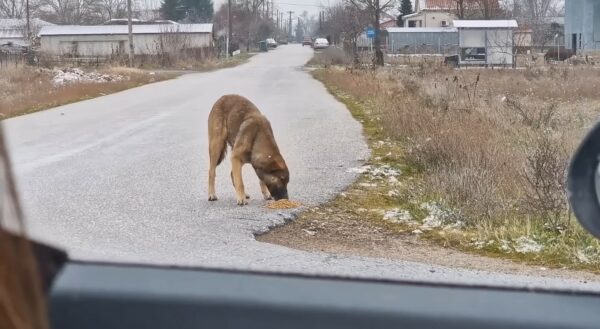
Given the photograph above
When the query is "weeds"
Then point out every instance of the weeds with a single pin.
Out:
(491, 144)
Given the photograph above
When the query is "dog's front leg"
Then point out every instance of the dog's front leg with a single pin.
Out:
(265, 191)
(236, 171)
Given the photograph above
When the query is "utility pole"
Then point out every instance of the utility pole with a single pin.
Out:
(28, 32)
(130, 33)
(228, 27)
(290, 29)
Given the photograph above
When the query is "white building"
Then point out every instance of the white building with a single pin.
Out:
(13, 31)
(107, 40)
(485, 42)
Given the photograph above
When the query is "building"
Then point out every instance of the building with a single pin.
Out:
(108, 40)
(582, 25)
(425, 40)
(523, 40)
(486, 42)
(431, 13)
(13, 31)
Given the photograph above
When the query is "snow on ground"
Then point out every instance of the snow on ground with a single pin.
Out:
(69, 75)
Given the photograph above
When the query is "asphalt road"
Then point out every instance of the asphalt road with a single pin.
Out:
(123, 178)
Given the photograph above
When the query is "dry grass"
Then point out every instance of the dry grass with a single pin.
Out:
(27, 89)
(491, 145)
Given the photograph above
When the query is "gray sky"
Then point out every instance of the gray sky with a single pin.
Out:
(297, 6)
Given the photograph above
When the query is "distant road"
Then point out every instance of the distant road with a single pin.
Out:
(122, 178)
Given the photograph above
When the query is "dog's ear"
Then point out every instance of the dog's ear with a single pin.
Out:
(279, 164)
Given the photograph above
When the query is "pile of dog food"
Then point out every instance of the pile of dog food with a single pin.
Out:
(283, 204)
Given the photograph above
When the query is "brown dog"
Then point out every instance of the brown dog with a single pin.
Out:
(234, 120)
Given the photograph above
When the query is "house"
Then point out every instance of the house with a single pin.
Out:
(13, 31)
(441, 13)
(582, 25)
(423, 40)
(486, 42)
(431, 13)
(108, 40)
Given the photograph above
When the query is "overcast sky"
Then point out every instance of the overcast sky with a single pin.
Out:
(297, 6)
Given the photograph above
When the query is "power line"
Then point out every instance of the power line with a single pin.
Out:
(300, 4)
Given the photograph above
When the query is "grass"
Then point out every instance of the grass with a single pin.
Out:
(489, 147)
(25, 89)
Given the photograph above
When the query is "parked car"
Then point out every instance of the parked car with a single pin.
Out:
(283, 41)
(306, 42)
(321, 43)
(271, 43)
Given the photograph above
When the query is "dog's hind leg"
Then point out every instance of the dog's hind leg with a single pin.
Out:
(216, 151)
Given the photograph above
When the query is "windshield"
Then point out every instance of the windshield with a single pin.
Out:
(398, 145)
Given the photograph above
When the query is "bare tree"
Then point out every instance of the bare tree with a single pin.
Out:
(346, 23)
(375, 8)
(113, 9)
(12, 8)
(71, 11)
(535, 14)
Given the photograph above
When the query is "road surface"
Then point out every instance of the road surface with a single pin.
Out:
(123, 178)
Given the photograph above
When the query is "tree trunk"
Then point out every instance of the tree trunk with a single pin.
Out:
(378, 59)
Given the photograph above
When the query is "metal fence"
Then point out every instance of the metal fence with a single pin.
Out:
(435, 42)
(9, 59)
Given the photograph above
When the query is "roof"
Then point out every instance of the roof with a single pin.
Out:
(123, 29)
(508, 23)
(421, 29)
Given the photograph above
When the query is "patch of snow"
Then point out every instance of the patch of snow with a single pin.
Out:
(397, 215)
(436, 215)
(70, 75)
(527, 245)
(360, 170)
(392, 193)
(309, 232)
(582, 257)
(505, 246)
(417, 231)
(367, 185)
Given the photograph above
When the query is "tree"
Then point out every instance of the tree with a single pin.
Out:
(198, 11)
(71, 11)
(535, 14)
(170, 9)
(405, 9)
(375, 8)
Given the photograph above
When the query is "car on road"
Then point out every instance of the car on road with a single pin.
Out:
(306, 42)
(283, 41)
(321, 43)
(271, 43)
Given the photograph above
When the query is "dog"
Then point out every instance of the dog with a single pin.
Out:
(237, 122)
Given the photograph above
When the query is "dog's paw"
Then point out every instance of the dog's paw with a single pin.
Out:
(242, 202)
(268, 197)
(212, 198)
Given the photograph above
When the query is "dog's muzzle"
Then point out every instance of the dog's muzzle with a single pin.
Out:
(280, 194)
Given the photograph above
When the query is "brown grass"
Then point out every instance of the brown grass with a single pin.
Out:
(492, 145)
(27, 89)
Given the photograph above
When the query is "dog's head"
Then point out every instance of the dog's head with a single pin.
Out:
(276, 176)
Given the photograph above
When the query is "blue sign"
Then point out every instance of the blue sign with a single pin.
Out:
(370, 33)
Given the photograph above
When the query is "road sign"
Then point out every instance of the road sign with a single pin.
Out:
(370, 33)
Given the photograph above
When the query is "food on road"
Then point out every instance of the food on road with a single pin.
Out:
(283, 204)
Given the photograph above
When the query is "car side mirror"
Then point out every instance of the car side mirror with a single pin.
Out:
(583, 182)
